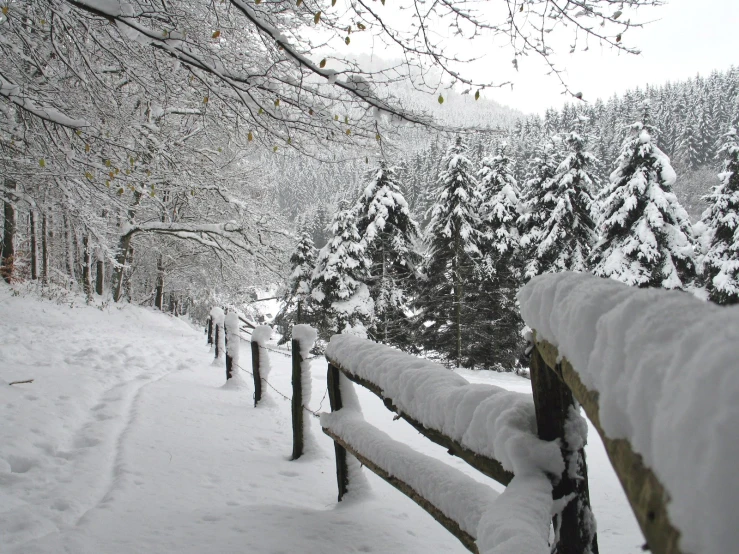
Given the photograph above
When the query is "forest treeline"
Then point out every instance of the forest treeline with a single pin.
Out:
(429, 255)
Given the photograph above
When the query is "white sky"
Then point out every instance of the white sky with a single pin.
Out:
(690, 37)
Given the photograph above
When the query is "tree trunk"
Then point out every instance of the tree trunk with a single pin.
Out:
(120, 260)
(87, 267)
(159, 299)
(44, 251)
(34, 247)
(100, 269)
(68, 249)
(124, 246)
(8, 251)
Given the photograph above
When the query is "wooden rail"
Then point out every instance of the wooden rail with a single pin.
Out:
(452, 526)
(553, 403)
(487, 466)
(647, 496)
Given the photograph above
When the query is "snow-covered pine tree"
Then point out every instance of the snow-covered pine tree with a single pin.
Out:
(645, 234)
(721, 263)
(339, 279)
(452, 237)
(296, 307)
(499, 322)
(389, 233)
(537, 204)
(557, 223)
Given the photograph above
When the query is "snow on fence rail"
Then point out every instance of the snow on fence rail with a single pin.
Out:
(492, 429)
(656, 373)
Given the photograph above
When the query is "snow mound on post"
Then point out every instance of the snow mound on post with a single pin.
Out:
(665, 366)
(306, 336)
(232, 331)
(217, 315)
(486, 419)
(261, 334)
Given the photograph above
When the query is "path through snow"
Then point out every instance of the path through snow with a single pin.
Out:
(127, 441)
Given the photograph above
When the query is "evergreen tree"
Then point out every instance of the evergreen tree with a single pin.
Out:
(537, 205)
(560, 233)
(721, 264)
(452, 237)
(690, 147)
(339, 280)
(297, 306)
(389, 233)
(499, 320)
(645, 234)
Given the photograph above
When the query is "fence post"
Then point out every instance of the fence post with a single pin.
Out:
(217, 316)
(255, 371)
(231, 326)
(210, 331)
(553, 403)
(334, 396)
(297, 401)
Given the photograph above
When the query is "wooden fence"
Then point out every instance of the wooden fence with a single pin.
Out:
(557, 390)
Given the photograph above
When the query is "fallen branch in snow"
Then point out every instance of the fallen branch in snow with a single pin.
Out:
(20, 382)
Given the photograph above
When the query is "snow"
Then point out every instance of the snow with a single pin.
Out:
(260, 335)
(127, 441)
(232, 332)
(456, 495)
(488, 420)
(664, 365)
(306, 337)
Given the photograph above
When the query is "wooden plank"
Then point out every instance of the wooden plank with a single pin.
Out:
(297, 400)
(647, 496)
(334, 397)
(452, 526)
(553, 402)
(487, 466)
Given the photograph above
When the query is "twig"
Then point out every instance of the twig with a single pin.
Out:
(20, 382)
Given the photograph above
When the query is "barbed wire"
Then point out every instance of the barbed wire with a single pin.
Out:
(315, 413)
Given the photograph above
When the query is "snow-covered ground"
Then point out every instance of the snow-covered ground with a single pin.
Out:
(127, 441)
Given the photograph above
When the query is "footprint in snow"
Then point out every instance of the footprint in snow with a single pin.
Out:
(20, 464)
(289, 474)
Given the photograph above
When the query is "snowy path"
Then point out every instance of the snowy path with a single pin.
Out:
(128, 442)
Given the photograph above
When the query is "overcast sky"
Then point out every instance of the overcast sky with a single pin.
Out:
(691, 36)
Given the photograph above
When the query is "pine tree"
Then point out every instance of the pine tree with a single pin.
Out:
(297, 307)
(538, 202)
(452, 237)
(499, 320)
(645, 234)
(389, 233)
(339, 280)
(560, 233)
(721, 264)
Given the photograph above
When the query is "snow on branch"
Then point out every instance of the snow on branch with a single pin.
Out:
(14, 94)
(663, 365)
